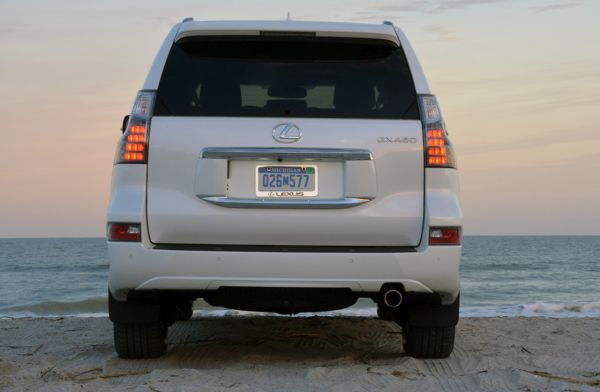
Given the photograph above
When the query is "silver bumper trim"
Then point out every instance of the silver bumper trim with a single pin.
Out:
(270, 153)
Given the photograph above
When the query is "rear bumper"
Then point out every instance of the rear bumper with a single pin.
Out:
(134, 266)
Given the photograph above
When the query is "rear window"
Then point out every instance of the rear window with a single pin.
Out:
(262, 77)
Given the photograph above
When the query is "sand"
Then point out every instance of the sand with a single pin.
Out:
(302, 354)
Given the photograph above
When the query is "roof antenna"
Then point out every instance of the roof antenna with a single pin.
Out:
(289, 17)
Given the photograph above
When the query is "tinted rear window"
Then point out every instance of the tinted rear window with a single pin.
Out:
(258, 77)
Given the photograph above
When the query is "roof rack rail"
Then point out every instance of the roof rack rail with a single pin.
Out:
(387, 22)
(188, 19)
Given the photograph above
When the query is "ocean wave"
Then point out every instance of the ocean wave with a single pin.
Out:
(536, 309)
(542, 307)
(349, 312)
(98, 307)
(88, 307)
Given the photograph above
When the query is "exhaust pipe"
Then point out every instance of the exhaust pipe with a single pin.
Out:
(392, 298)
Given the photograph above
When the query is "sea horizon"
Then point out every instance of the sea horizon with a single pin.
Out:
(464, 235)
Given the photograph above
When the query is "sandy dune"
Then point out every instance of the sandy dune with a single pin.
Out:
(302, 354)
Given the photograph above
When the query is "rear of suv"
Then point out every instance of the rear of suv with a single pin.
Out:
(284, 167)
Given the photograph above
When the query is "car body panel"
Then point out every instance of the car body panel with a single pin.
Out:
(178, 214)
(434, 269)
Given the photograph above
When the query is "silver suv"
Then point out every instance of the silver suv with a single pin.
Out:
(284, 167)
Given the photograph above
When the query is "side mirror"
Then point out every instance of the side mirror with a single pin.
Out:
(124, 125)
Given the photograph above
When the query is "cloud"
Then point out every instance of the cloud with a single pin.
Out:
(9, 27)
(367, 16)
(409, 6)
(558, 5)
(458, 4)
(531, 141)
(382, 10)
(559, 73)
(429, 6)
(442, 33)
(379, 12)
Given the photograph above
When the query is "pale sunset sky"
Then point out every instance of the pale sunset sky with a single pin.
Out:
(518, 81)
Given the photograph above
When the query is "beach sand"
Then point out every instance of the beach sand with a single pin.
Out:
(302, 354)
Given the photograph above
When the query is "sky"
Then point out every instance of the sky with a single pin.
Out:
(518, 81)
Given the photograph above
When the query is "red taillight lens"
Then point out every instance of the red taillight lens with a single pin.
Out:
(132, 146)
(133, 157)
(124, 232)
(444, 236)
(438, 150)
(135, 138)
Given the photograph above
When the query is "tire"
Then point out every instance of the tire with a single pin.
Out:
(428, 342)
(140, 340)
(385, 313)
(184, 312)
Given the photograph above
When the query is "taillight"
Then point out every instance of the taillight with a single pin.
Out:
(133, 144)
(444, 236)
(124, 232)
(438, 149)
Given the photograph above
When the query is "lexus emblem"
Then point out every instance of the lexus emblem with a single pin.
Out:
(287, 133)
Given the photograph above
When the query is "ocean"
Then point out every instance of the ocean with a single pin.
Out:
(546, 276)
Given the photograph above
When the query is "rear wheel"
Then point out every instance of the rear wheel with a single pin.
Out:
(428, 342)
(428, 326)
(140, 340)
(139, 326)
(184, 311)
(385, 313)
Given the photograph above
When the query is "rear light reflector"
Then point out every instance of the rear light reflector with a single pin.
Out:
(144, 104)
(444, 236)
(124, 232)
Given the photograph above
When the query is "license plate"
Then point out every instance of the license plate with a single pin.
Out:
(286, 181)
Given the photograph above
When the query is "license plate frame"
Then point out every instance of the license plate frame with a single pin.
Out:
(287, 193)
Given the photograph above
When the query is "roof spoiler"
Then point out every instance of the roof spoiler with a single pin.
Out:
(380, 32)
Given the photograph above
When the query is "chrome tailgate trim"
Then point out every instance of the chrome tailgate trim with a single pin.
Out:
(270, 153)
(346, 202)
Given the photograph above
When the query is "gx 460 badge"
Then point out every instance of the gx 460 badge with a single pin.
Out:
(384, 139)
